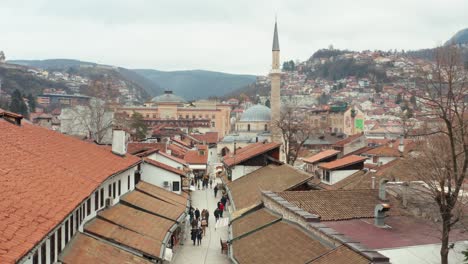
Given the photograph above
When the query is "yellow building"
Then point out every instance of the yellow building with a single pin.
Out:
(203, 115)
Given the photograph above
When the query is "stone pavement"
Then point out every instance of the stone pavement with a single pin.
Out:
(209, 252)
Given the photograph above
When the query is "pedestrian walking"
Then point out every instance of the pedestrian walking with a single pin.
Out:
(193, 235)
(204, 224)
(191, 214)
(211, 183)
(223, 201)
(215, 190)
(221, 209)
(207, 216)
(197, 214)
(216, 214)
(199, 236)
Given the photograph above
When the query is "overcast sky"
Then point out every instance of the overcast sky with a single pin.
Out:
(232, 36)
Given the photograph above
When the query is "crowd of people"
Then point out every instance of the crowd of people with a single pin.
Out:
(199, 220)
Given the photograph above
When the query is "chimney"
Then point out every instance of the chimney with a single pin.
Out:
(119, 141)
(256, 139)
(373, 182)
(379, 215)
(401, 147)
(382, 193)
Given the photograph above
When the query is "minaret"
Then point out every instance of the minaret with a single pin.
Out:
(275, 77)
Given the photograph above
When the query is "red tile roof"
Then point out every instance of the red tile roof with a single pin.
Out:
(85, 249)
(123, 236)
(45, 176)
(181, 161)
(208, 137)
(249, 152)
(181, 142)
(162, 194)
(151, 204)
(337, 204)
(165, 167)
(322, 155)
(194, 157)
(343, 162)
(137, 147)
(383, 151)
(348, 139)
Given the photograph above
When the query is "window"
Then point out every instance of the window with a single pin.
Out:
(266, 127)
(113, 190)
(119, 187)
(175, 186)
(96, 200)
(213, 124)
(52, 248)
(59, 241)
(128, 182)
(66, 232)
(35, 258)
(248, 127)
(326, 176)
(88, 206)
(77, 221)
(187, 116)
(83, 211)
(154, 115)
(109, 190)
(43, 252)
(102, 197)
(200, 116)
(72, 226)
(375, 159)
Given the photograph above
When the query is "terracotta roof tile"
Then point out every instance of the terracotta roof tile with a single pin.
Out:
(246, 191)
(341, 254)
(252, 221)
(195, 157)
(333, 205)
(152, 204)
(348, 139)
(137, 221)
(85, 249)
(182, 143)
(181, 161)
(123, 236)
(59, 171)
(208, 137)
(322, 155)
(248, 152)
(278, 243)
(383, 151)
(162, 194)
(343, 162)
(137, 147)
(165, 167)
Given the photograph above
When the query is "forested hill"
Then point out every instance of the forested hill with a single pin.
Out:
(197, 84)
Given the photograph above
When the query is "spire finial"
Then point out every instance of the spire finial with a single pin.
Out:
(275, 38)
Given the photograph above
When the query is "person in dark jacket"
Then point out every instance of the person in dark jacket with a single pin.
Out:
(215, 191)
(197, 214)
(199, 236)
(216, 214)
(223, 201)
(193, 235)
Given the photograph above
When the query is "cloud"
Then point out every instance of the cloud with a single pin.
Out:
(231, 36)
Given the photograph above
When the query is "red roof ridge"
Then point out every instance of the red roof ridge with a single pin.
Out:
(248, 152)
(164, 166)
(343, 162)
(321, 155)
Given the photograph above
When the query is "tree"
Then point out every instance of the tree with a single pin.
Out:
(139, 125)
(268, 103)
(17, 104)
(294, 132)
(32, 103)
(442, 158)
(94, 120)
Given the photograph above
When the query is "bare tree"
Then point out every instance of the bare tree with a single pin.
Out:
(294, 132)
(93, 120)
(441, 160)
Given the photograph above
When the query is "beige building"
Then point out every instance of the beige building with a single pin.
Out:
(204, 115)
(340, 120)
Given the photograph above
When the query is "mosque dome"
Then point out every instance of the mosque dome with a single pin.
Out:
(168, 97)
(257, 113)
